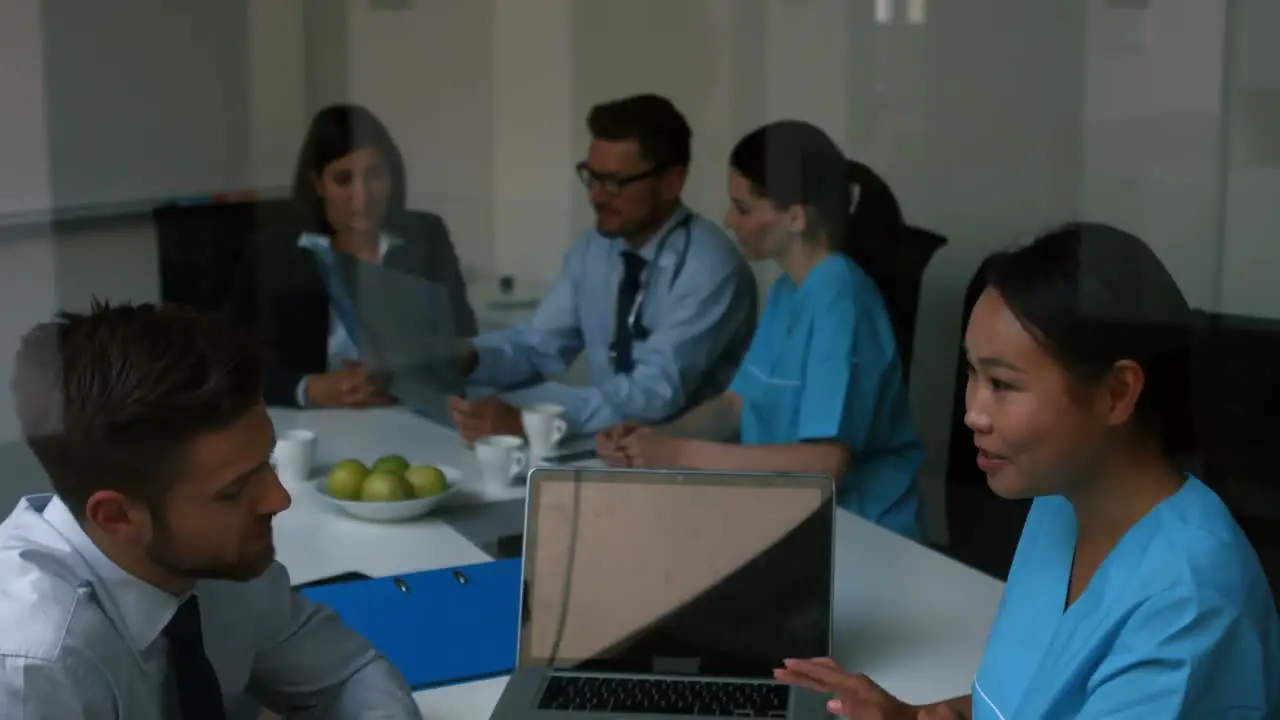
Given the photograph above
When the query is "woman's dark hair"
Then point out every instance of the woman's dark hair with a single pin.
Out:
(337, 131)
(1093, 295)
(792, 162)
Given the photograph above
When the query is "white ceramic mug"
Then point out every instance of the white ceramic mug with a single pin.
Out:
(293, 456)
(544, 427)
(501, 458)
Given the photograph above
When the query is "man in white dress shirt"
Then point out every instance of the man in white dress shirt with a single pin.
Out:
(146, 588)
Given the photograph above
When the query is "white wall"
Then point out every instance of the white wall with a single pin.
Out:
(43, 268)
(1153, 132)
(26, 257)
(427, 71)
(277, 89)
(534, 137)
(1251, 254)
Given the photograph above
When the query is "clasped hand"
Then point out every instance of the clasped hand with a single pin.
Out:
(631, 444)
(352, 386)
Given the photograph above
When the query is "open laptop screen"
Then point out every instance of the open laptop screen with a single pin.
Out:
(644, 572)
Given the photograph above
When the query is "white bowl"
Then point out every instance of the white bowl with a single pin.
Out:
(394, 510)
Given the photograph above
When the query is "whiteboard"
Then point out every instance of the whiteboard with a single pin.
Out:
(144, 100)
(24, 178)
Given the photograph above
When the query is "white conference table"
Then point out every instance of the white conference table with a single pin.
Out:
(911, 618)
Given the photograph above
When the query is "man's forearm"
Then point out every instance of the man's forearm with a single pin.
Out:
(375, 688)
(379, 687)
(717, 419)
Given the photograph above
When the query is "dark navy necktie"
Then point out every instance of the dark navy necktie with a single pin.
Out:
(199, 693)
(624, 334)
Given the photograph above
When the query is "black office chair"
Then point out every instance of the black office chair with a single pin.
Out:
(898, 270)
(1236, 381)
(200, 247)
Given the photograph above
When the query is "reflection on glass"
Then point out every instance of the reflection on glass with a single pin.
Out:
(917, 11)
(884, 11)
(640, 572)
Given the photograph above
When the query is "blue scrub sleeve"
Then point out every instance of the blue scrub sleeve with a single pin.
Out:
(842, 377)
(751, 359)
(1183, 654)
(764, 329)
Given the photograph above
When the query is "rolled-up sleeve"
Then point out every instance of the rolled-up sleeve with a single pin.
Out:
(32, 689)
(310, 665)
(544, 346)
(706, 309)
(843, 375)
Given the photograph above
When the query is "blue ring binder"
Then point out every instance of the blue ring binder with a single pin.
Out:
(437, 627)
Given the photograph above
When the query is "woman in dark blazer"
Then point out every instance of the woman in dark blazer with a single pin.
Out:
(349, 197)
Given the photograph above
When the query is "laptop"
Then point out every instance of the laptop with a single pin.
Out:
(671, 594)
(407, 335)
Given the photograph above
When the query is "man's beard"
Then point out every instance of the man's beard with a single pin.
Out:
(161, 551)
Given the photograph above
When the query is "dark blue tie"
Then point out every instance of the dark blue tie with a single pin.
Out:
(624, 335)
(199, 693)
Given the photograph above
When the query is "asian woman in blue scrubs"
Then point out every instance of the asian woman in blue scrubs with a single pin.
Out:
(1133, 592)
(820, 389)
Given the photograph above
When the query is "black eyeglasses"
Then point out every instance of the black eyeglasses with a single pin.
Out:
(612, 184)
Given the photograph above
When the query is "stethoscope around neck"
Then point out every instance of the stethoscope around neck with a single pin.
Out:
(635, 323)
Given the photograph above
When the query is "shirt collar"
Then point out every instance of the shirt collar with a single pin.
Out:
(312, 241)
(650, 249)
(144, 609)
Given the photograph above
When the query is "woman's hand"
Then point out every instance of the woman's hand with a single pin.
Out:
(648, 447)
(855, 695)
(607, 443)
(352, 386)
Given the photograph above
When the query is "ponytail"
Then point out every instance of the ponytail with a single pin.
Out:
(875, 222)
(792, 162)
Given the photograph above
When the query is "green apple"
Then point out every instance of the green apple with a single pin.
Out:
(346, 478)
(427, 480)
(391, 464)
(385, 487)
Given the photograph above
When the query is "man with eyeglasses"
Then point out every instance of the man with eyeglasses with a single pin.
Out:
(657, 296)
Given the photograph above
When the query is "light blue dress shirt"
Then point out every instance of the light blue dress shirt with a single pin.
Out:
(1177, 623)
(80, 639)
(699, 305)
(824, 366)
(340, 345)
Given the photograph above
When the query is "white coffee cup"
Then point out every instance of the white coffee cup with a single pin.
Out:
(544, 427)
(294, 454)
(501, 458)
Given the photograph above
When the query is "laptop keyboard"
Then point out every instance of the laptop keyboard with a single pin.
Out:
(703, 698)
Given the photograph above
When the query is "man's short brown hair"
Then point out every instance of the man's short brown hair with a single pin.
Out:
(652, 121)
(110, 399)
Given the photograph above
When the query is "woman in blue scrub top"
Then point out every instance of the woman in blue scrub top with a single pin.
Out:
(820, 389)
(1133, 593)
